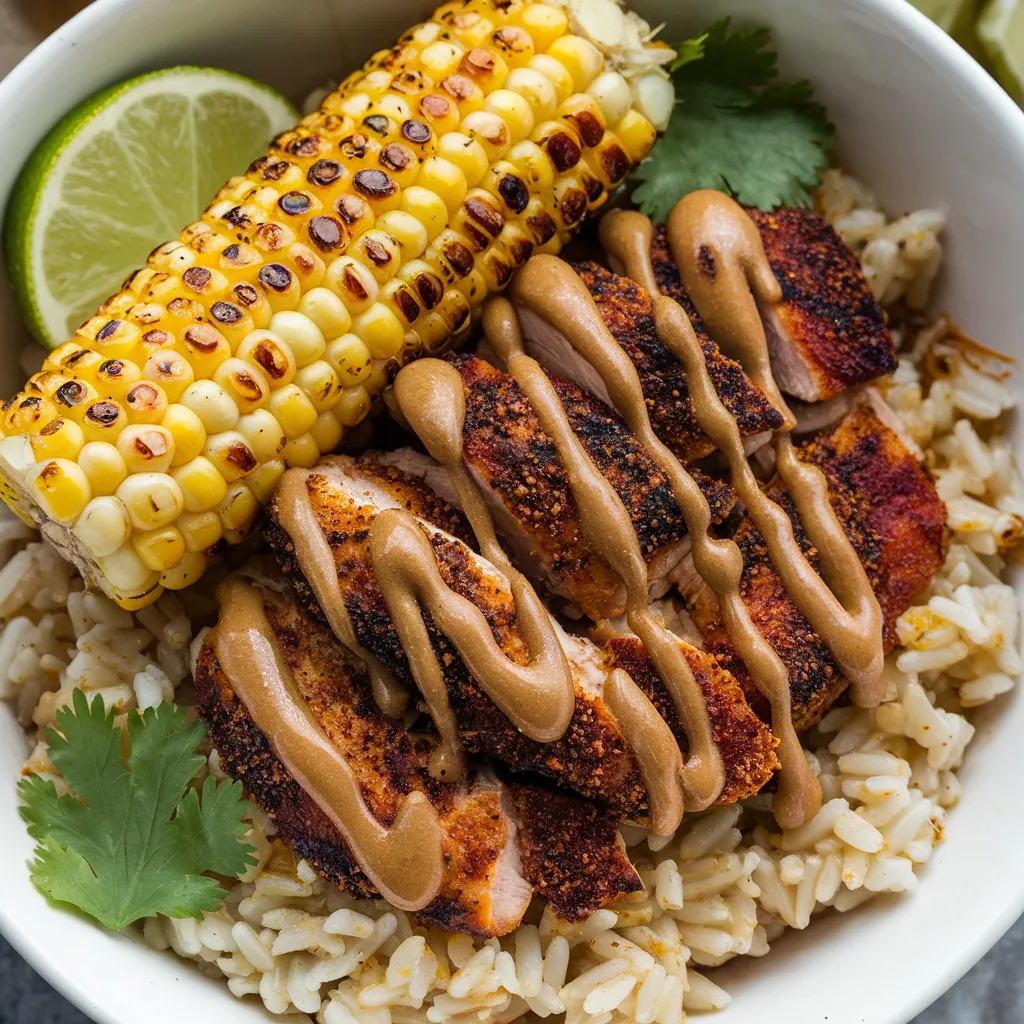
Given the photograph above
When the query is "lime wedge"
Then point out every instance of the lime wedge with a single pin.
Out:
(1001, 31)
(947, 14)
(123, 172)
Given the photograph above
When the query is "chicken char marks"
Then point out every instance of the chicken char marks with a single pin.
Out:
(892, 513)
(490, 845)
(592, 758)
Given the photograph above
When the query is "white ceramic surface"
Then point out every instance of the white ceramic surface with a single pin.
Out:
(919, 121)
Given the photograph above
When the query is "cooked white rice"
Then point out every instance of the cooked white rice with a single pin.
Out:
(729, 883)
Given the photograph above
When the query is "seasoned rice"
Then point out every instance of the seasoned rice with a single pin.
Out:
(729, 883)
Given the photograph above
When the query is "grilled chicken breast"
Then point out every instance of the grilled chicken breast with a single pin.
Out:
(592, 757)
(626, 309)
(896, 520)
(828, 334)
(534, 511)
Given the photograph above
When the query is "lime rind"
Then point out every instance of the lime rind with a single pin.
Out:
(36, 192)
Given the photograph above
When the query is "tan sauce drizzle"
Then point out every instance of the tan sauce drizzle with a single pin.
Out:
(606, 524)
(298, 520)
(405, 862)
(723, 267)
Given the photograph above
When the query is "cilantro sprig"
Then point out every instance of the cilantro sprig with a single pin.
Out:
(735, 127)
(132, 840)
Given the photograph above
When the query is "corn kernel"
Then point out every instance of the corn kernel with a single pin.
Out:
(230, 454)
(171, 371)
(514, 44)
(59, 439)
(579, 57)
(213, 405)
(146, 402)
(490, 131)
(202, 486)
(126, 573)
(427, 207)
(544, 22)
(262, 480)
(73, 398)
(146, 448)
(103, 466)
(351, 359)
(188, 432)
(115, 376)
(244, 382)
(161, 549)
(103, 421)
(301, 451)
(103, 526)
(440, 59)
(263, 434)
(353, 406)
(536, 89)
(205, 348)
(381, 330)
(152, 499)
(293, 410)
(327, 431)
(200, 530)
(185, 573)
(555, 73)
(613, 96)
(636, 134)
(445, 180)
(61, 489)
(514, 110)
(239, 508)
(271, 355)
(354, 283)
(326, 310)
(410, 234)
(379, 252)
(321, 383)
(533, 166)
(300, 334)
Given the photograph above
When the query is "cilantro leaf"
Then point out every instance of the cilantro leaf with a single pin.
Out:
(736, 128)
(132, 841)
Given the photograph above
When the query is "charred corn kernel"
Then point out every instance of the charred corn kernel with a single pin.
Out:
(146, 448)
(350, 358)
(514, 110)
(579, 57)
(61, 489)
(103, 466)
(171, 371)
(410, 234)
(293, 410)
(152, 499)
(636, 134)
(427, 207)
(613, 95)
(544, 22)
(445, 180)
(380, 329)
(262, 480)
(328, 431)
(353, 406)
(354, 284)
(239, 507)
(466, 153)
(271, 355)
(320, 383)
(126, 574)
(188, 432)
(115, 376)
(263, 434)
(161, 549)
(103, 421)
(244, 382)
(202, 485)
(304, 339)
(326, 309)
(59, 439)
(212, 404)
(103, 526)
(200, 530)
(185, 573)
(146, 402)
(366, 237)
(230, 454)
(301, 451)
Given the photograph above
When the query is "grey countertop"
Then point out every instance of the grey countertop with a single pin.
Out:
(993, 993)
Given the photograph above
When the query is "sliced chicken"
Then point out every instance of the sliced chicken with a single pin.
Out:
(592, 758)
(519, 471)
(892, 513)
(828, 334)
(626, 309)
(483, 891)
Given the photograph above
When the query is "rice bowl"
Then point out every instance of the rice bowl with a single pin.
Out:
(856, 768)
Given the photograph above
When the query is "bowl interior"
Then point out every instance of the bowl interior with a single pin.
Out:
(919, 122)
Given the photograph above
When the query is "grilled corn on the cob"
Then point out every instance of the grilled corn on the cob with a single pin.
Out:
(368, 235)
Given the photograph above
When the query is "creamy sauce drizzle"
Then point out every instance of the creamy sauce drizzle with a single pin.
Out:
(405, 862)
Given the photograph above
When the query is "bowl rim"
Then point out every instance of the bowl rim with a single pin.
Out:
(915, 28)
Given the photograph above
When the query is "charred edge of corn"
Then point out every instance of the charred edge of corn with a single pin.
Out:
(368, 235)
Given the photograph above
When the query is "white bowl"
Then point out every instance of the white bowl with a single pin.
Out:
(919, 121)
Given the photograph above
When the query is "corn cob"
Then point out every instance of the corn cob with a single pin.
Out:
(368, 235)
